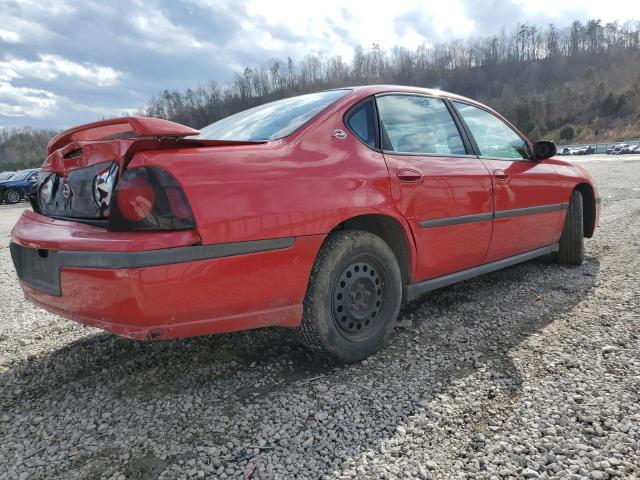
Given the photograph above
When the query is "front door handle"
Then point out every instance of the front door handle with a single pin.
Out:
(409, 175)
(501, 174)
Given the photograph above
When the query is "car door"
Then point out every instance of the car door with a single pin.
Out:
(441, 188)
(528, 199)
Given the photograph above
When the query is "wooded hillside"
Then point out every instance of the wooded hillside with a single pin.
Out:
(23, 147)
(574, 84)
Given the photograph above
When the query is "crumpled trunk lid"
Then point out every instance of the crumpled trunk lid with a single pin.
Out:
(84, 163)
(67, 179)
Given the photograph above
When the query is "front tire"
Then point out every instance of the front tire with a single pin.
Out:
(353, 297)
(571, 248)
(12, 196)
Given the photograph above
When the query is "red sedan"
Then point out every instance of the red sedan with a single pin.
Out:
(322, 212)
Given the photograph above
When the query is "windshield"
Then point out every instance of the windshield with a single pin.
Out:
(271, 120)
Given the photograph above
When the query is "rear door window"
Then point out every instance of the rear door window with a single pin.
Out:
(418, 125)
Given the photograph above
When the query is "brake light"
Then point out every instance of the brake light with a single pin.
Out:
(149, 198)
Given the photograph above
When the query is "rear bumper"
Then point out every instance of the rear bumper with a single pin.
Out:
(166, 293)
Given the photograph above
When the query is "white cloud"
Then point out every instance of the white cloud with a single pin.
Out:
(16, 29)
(9, 36)
(608, 11)
(50, 67)
(25, 101)
(323, 25)
(160, 34)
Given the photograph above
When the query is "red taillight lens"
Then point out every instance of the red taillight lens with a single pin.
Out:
(149, 198)
(136, 199)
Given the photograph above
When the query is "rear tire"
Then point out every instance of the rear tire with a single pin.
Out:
(12, 196)
(353, 297)
(571, 248)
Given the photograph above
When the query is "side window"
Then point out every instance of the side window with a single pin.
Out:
(362, 123)
(493, 137)
(416, 124)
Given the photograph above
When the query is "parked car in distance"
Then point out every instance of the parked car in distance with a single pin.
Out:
(564, 151)
(619, 149)
(577, 151)
(613, 149)
(323, 212)
(18, 186)
(584, 150)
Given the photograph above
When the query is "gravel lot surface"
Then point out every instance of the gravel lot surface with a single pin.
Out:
(531, 372)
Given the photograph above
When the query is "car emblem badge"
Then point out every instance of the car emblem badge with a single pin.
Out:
(66, 191)
(339, 134)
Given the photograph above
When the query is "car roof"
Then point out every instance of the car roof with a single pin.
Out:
(365, 90)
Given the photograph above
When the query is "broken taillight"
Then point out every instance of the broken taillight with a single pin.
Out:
(103, 186)
(149, 198)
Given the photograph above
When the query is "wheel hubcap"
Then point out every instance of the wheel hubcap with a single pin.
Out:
(13, 197)
(358, 298)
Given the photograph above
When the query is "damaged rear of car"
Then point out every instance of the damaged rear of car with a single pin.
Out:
(113, 242)
(86, 164)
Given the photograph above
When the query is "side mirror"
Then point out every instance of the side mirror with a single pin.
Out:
(544, 149)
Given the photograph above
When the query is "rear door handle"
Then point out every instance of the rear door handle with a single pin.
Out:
(409, 175)
(501, 174)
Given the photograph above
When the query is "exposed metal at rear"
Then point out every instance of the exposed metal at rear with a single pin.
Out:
(75, 180)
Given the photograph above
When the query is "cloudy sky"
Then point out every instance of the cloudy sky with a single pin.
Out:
(69, 62)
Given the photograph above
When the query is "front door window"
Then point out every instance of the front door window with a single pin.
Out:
(495, 139)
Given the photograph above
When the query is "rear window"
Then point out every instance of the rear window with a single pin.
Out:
(272, 120)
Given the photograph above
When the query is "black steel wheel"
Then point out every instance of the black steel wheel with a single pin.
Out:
(353, 297)
(358, 298)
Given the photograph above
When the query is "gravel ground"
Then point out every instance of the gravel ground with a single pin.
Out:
(531, 372)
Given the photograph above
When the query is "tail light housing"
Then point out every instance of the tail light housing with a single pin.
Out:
(46, 182)
(103, 187)
(149, 198)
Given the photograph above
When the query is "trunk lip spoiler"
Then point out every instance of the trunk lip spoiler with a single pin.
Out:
(141, 127)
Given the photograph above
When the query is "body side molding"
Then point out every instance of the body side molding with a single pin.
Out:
(415, 290)
(482, 217)
(441, 222)
(518, 212)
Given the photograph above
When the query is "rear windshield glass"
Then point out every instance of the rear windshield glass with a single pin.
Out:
(271, 120)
